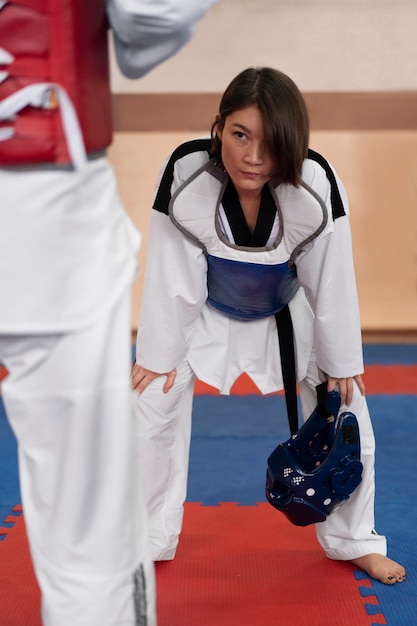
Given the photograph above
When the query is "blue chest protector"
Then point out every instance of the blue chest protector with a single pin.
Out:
(248, 291)
(250, 274)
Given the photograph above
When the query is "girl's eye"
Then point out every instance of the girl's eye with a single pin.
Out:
(240, 135)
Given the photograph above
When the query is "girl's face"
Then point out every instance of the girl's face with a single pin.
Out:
(244, 153)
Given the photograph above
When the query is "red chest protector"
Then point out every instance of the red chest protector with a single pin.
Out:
(63, 42)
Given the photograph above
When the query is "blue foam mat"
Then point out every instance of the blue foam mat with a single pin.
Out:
(391, 354)
(9, 483)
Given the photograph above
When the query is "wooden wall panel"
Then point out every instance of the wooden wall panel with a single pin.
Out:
(165, 112)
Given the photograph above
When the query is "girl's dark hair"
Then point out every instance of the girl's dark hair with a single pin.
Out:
(284, 114)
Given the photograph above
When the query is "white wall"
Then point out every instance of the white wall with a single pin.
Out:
(324, 45)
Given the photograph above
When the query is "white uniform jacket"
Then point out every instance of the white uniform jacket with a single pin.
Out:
(177, 322)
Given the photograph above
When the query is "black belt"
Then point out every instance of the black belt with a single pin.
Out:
(287, 353)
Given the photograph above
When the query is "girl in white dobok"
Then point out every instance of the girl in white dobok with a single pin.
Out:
(246, 224)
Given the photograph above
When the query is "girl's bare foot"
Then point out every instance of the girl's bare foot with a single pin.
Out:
(381, 567)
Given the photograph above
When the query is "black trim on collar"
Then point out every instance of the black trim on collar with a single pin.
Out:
(238, 225)
(163, 195)
(338, 210)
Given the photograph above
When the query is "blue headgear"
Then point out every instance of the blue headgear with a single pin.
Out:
(318, 467)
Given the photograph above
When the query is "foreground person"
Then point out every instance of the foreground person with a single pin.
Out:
(244, 225)
(69, 255)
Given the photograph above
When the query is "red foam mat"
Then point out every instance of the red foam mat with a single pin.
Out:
(248, 566)
(19, 592)
(235, 566)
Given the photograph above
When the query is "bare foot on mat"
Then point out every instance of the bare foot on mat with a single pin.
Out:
(381, 567)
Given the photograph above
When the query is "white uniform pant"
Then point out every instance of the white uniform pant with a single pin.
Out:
(69, 401)
(163, 440)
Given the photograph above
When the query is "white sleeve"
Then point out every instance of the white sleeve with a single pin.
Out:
(327, 274)
(174, 293)
(146, 32)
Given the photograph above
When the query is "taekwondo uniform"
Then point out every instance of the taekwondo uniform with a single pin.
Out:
(213, 322)
(69, 256)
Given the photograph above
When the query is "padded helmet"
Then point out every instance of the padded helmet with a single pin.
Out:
(317, 468)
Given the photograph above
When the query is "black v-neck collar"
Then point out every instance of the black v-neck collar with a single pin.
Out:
(236, 218)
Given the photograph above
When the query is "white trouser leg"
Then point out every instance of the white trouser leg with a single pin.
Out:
(68, 398)
(163, 443)
(349, 533)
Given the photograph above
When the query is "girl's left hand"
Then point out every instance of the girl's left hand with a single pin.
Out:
(346, 387)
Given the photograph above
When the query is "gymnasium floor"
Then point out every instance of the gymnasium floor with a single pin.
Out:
(232, 437)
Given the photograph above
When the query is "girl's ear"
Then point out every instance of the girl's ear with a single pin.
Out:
(217, 127)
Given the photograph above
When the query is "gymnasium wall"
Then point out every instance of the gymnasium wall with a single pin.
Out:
(356, 63)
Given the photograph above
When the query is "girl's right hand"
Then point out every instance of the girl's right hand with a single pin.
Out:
(141, 378)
